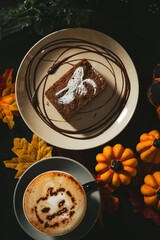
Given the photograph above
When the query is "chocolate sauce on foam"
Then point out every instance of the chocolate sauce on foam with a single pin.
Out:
(83, 47)
(55, 203)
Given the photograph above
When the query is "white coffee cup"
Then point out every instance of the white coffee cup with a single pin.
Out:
(54, 203)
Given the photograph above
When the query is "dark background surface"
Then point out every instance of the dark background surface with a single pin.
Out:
(135, 25)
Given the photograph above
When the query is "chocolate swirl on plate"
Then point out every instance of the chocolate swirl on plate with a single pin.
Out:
(70, 51)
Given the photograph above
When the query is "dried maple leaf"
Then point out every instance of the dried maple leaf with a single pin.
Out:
(8, 105)
(109, 203)
(136, 199)
(28, 153)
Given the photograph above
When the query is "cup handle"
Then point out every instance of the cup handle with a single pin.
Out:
(90, 186)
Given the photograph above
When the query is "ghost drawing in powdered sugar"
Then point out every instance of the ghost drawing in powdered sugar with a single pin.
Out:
(75, 87)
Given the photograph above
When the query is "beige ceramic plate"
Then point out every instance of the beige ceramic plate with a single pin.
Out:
(105, 116)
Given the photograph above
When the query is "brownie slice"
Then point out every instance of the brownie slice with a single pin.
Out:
(75, 89)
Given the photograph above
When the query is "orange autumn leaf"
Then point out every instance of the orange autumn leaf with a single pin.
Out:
(27, 154)
(8, 105)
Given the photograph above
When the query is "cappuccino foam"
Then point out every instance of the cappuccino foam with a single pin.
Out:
(54, 202)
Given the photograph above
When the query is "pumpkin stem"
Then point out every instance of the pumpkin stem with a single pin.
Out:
(158, 194)
(156, 143)
(116, 166)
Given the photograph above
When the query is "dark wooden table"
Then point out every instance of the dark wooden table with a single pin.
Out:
(135, 25)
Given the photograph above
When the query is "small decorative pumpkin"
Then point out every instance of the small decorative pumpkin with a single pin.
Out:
(151, 190)
(153, 92)
(116, 165)
(149, 147)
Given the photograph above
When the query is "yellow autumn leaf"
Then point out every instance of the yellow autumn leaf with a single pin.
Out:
(8, 105)
(27, 154)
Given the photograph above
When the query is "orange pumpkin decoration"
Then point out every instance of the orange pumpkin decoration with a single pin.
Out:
(151, 190)
(149, 147)
(116, 165)
(153, 92)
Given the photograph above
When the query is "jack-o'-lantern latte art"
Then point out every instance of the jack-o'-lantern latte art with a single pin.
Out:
(54, 202)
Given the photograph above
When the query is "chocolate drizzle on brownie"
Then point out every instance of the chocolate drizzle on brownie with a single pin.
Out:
(82, 47)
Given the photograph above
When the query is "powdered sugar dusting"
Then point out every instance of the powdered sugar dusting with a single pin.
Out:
(75, 87)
